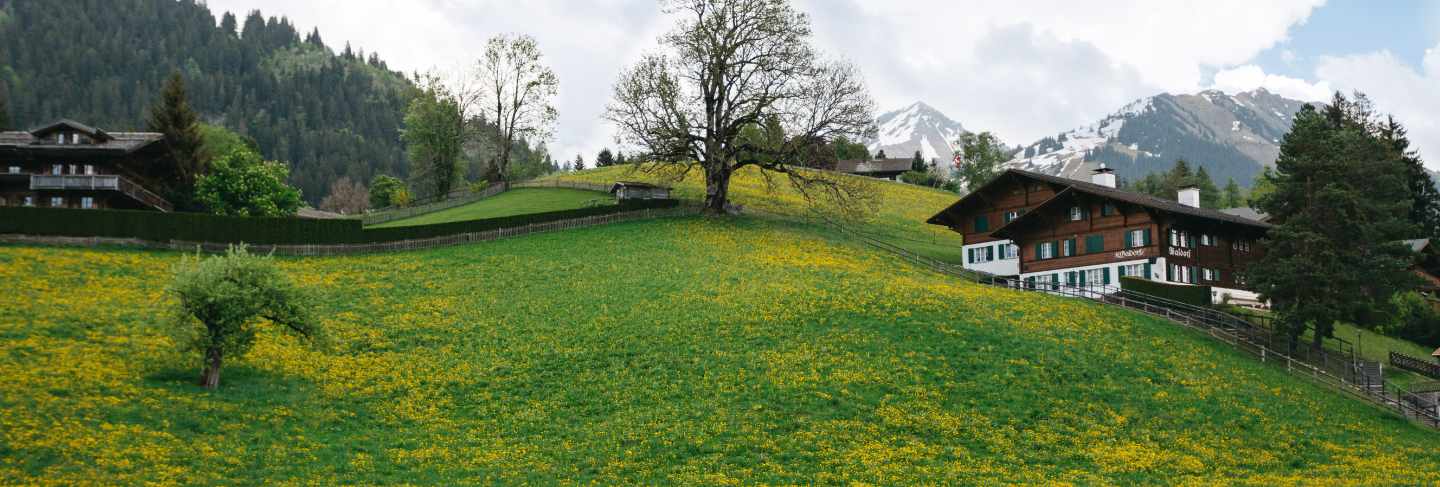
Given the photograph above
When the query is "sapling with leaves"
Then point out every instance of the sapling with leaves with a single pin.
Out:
(224, 298)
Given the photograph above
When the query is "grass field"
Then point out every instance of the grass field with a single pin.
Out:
(681, 351)
(520, 201)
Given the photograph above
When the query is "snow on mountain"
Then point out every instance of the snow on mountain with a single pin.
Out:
(918, 127)
(1232, 136)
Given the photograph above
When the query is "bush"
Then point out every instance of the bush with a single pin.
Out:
(243, 184)
(918, 178)
(1195, 295)
(1415, 319)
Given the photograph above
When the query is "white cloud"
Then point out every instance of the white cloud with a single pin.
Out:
(1396, 88)
(1023, 69)
(1249, 77)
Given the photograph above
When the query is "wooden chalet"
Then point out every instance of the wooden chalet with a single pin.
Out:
(1051, 230)
(67, 164)
(631, 190)
(879, 168)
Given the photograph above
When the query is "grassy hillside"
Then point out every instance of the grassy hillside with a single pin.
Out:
(520, 201)
(679, 351)
(900, 218)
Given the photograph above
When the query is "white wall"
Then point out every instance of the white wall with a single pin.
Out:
(999, 266)
(1157, 272)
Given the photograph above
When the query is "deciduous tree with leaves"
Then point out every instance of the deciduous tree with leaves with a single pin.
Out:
(728, 65)
(979, 158)
(434, 135)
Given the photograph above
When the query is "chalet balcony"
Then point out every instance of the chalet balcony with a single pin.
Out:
(100, 182)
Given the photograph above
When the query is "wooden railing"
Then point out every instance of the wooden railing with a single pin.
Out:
(456, 198)
(101, 182)
(1419, 366)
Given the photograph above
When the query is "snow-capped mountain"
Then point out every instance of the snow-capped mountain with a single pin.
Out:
(1232, 136)
(917, 127)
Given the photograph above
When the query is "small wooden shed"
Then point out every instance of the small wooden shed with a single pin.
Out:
(630, 190)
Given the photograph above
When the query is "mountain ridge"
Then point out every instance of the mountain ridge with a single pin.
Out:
(917, 127)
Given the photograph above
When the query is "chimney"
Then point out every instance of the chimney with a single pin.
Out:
(1190, 196)
(1103, 176)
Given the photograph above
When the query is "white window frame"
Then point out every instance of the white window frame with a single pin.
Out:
(1012, 252)
(14, 169)
(1010, 216)
(74, 169)
(1047, 250)
(1135, 270)
(1207, 274)
(1076, 214)
(1065, 248)
(87, 202)
(1137, 238)
(29, 201)
(57, 201)
(60, 138)
(75, 138)
(57, 169)
(89, 169)
(1094, 277)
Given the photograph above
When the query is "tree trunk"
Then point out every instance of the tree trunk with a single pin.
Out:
(210, 378)
(717, 189)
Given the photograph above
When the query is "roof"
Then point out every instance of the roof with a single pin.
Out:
(104, 141)
(1077, 186)
(1418, 244)
(1245, 212)
(637, 185)
(856, 166)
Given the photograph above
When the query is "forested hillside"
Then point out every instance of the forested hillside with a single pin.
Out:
(103, 61)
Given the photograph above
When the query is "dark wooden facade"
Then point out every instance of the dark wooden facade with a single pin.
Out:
(70, 165)
(1086, 225)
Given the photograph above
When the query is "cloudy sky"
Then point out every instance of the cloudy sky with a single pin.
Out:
(1020, 68)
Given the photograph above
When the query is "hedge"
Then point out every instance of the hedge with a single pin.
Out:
(197, 227)
(1196, 295)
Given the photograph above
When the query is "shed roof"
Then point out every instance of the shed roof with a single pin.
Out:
(856, 166)
(636, 185)
(33, 139)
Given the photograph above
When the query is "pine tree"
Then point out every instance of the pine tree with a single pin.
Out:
(175, 173)
(5, 123)
(917, 163)
(1209, 194)
(605, 158)
(579, 163)
(620, 158)
(880, 155)
(1233, 197)
(1425, 198)
(1338, 204)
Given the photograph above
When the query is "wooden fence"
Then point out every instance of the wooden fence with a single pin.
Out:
(1417, 365)
(364, 248)
(456, 198)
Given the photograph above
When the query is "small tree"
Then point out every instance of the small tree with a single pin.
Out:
(605, 158)
(1233, 196)
(346, 197)
(223, 298)
(434, 136)
(383, 189)
(243, 184)
(579, 163)
(880, 155)
(917, 163)
(620, 158)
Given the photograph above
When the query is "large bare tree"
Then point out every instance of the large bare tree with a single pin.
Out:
(730, 66)
(515, 89)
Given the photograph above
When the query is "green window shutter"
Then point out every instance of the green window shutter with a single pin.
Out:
(1054, 281)
(1147, 237)
(1217, 274)
(1193, 277)
(1080, 277)
(1094, 243)
(990, 253)
(1128, 243)
(982, 224)
(1038, 255)
(1030, 282)
(1147, 272)
(1120, 271)
(1192, 241)
(1105, 275)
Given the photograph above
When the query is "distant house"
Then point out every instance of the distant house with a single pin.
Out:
(67, 164)
(880, 168)
(1427, 265)
(631, 190)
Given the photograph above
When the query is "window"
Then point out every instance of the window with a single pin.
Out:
(1010, 216)
(1069, 247)
(1094, 243)
(55, 170)
(1181, 239)
(981, 255)
(1141, 271)
(57, 202)
(1208, 240)
(89, 170)
(74, 138)
(60, 139)
(1045, 250)
(982, 223)
(1182, 274)
(1210, 275)
(74, 169)
(1109, 209)
(87, 202)
(14, 169)
(1095, 277)
(1139, 237)
(1077, 213)
(29, 201)
(1240, 245)
(1011, 252)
